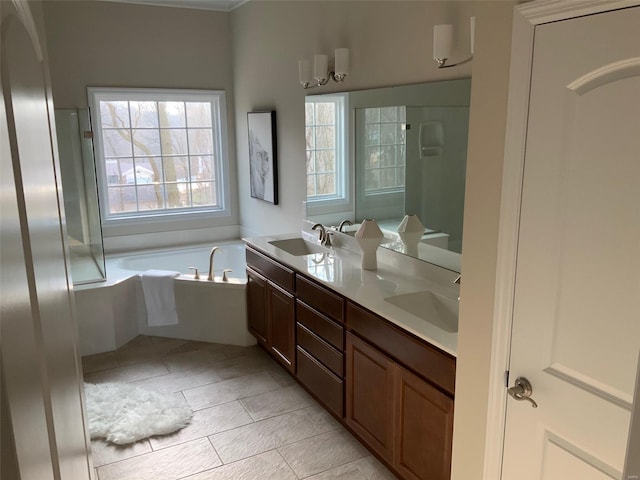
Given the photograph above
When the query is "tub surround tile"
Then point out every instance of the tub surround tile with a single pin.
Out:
(274, 432)
(368, 468)
(105, 452)
(129, 373)
(322, 452)
(229, 390)
(276, 402)
(266, 466)
(208, 421)
(167, 464)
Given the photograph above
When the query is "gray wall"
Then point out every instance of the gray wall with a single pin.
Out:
(107, 44)
(487, 122)
(390, 43)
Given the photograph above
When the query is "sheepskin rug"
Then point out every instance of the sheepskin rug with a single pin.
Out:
(122, 413)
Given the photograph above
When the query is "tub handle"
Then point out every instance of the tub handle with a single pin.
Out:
(225, 278)
(196, 275)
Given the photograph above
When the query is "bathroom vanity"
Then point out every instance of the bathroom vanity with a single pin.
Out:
(385, 373)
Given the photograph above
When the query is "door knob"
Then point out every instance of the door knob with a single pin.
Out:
(522, 390)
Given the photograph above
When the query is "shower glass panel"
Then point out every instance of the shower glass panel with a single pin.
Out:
(78, 175)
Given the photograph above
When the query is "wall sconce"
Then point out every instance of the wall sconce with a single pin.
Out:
(322, 71)
(443, 41)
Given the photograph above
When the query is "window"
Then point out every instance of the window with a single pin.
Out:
(385, 144)
(159, 152)
(325, 148)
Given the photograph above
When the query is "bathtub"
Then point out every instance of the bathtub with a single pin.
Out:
(112, 313)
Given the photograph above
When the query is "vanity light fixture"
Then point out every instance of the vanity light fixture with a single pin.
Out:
(322, 71)
(443, 41)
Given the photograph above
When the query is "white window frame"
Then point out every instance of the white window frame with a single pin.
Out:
(338, 202)
(385, 190)
(131, 221)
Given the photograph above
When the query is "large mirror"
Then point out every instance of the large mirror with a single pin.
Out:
(388, 152)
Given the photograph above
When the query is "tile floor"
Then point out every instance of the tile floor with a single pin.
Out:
(251, 420)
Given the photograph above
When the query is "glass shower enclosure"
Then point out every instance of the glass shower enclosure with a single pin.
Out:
(78, 176)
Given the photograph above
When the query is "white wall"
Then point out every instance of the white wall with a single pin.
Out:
(390, 43)
(489, 88)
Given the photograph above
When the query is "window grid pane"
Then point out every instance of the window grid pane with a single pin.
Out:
(386, 146)
(144, 136)
(321, 149)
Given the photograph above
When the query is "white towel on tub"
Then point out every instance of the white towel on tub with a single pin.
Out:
(159, 298)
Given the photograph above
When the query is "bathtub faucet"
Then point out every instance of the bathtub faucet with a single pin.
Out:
(213, 251)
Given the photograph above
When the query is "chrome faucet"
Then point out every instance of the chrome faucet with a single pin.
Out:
(343, 223)
(213, 251)
(324, 237)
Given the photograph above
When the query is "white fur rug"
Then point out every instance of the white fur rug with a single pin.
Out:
(122, 413)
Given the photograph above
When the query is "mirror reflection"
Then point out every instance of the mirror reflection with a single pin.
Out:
(390, 152)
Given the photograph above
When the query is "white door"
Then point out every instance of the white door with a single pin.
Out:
(576, 316)
(42, 415)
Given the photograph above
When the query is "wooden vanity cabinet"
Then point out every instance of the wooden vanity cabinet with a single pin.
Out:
(320, 343)
(257, 306)
(370, 396)
(392, 389)
(393, 403)
(271, 307)
(423, 428)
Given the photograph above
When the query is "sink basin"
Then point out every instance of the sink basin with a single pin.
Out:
(431, 307)
(298, 247)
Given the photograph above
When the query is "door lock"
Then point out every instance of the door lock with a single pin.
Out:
(522, 390)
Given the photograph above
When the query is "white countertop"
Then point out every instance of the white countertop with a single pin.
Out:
(340, 270)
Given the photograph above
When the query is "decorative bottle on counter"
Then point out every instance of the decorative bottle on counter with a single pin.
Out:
(369, 236)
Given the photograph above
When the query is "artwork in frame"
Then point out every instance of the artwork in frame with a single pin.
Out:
(263, 171)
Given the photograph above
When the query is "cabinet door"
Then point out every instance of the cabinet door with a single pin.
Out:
(282, 321)
(370, 395)
(257, 306)
(424, 429)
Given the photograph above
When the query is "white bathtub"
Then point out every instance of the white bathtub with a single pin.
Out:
(228, 256)
(113, 313)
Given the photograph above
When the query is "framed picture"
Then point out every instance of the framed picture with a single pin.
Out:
(263, 171)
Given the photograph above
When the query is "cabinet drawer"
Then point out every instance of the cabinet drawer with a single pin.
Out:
(320, 298)
(275, 272)
(325, 385)
(425, 360)
(326, 329)
(321, 350)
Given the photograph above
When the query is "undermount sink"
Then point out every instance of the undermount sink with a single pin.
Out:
(431, 307)
(298, 247)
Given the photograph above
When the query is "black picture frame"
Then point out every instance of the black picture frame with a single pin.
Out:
(263, 156)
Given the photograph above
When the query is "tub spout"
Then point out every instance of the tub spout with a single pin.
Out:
(213, 251)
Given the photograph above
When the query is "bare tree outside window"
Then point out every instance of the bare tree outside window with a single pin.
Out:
(159, 155)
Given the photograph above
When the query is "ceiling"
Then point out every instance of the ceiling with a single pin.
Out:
(218, 5)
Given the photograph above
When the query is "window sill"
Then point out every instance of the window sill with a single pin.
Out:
(167, 223)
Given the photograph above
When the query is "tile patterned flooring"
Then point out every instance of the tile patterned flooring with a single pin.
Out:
(251, 420)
